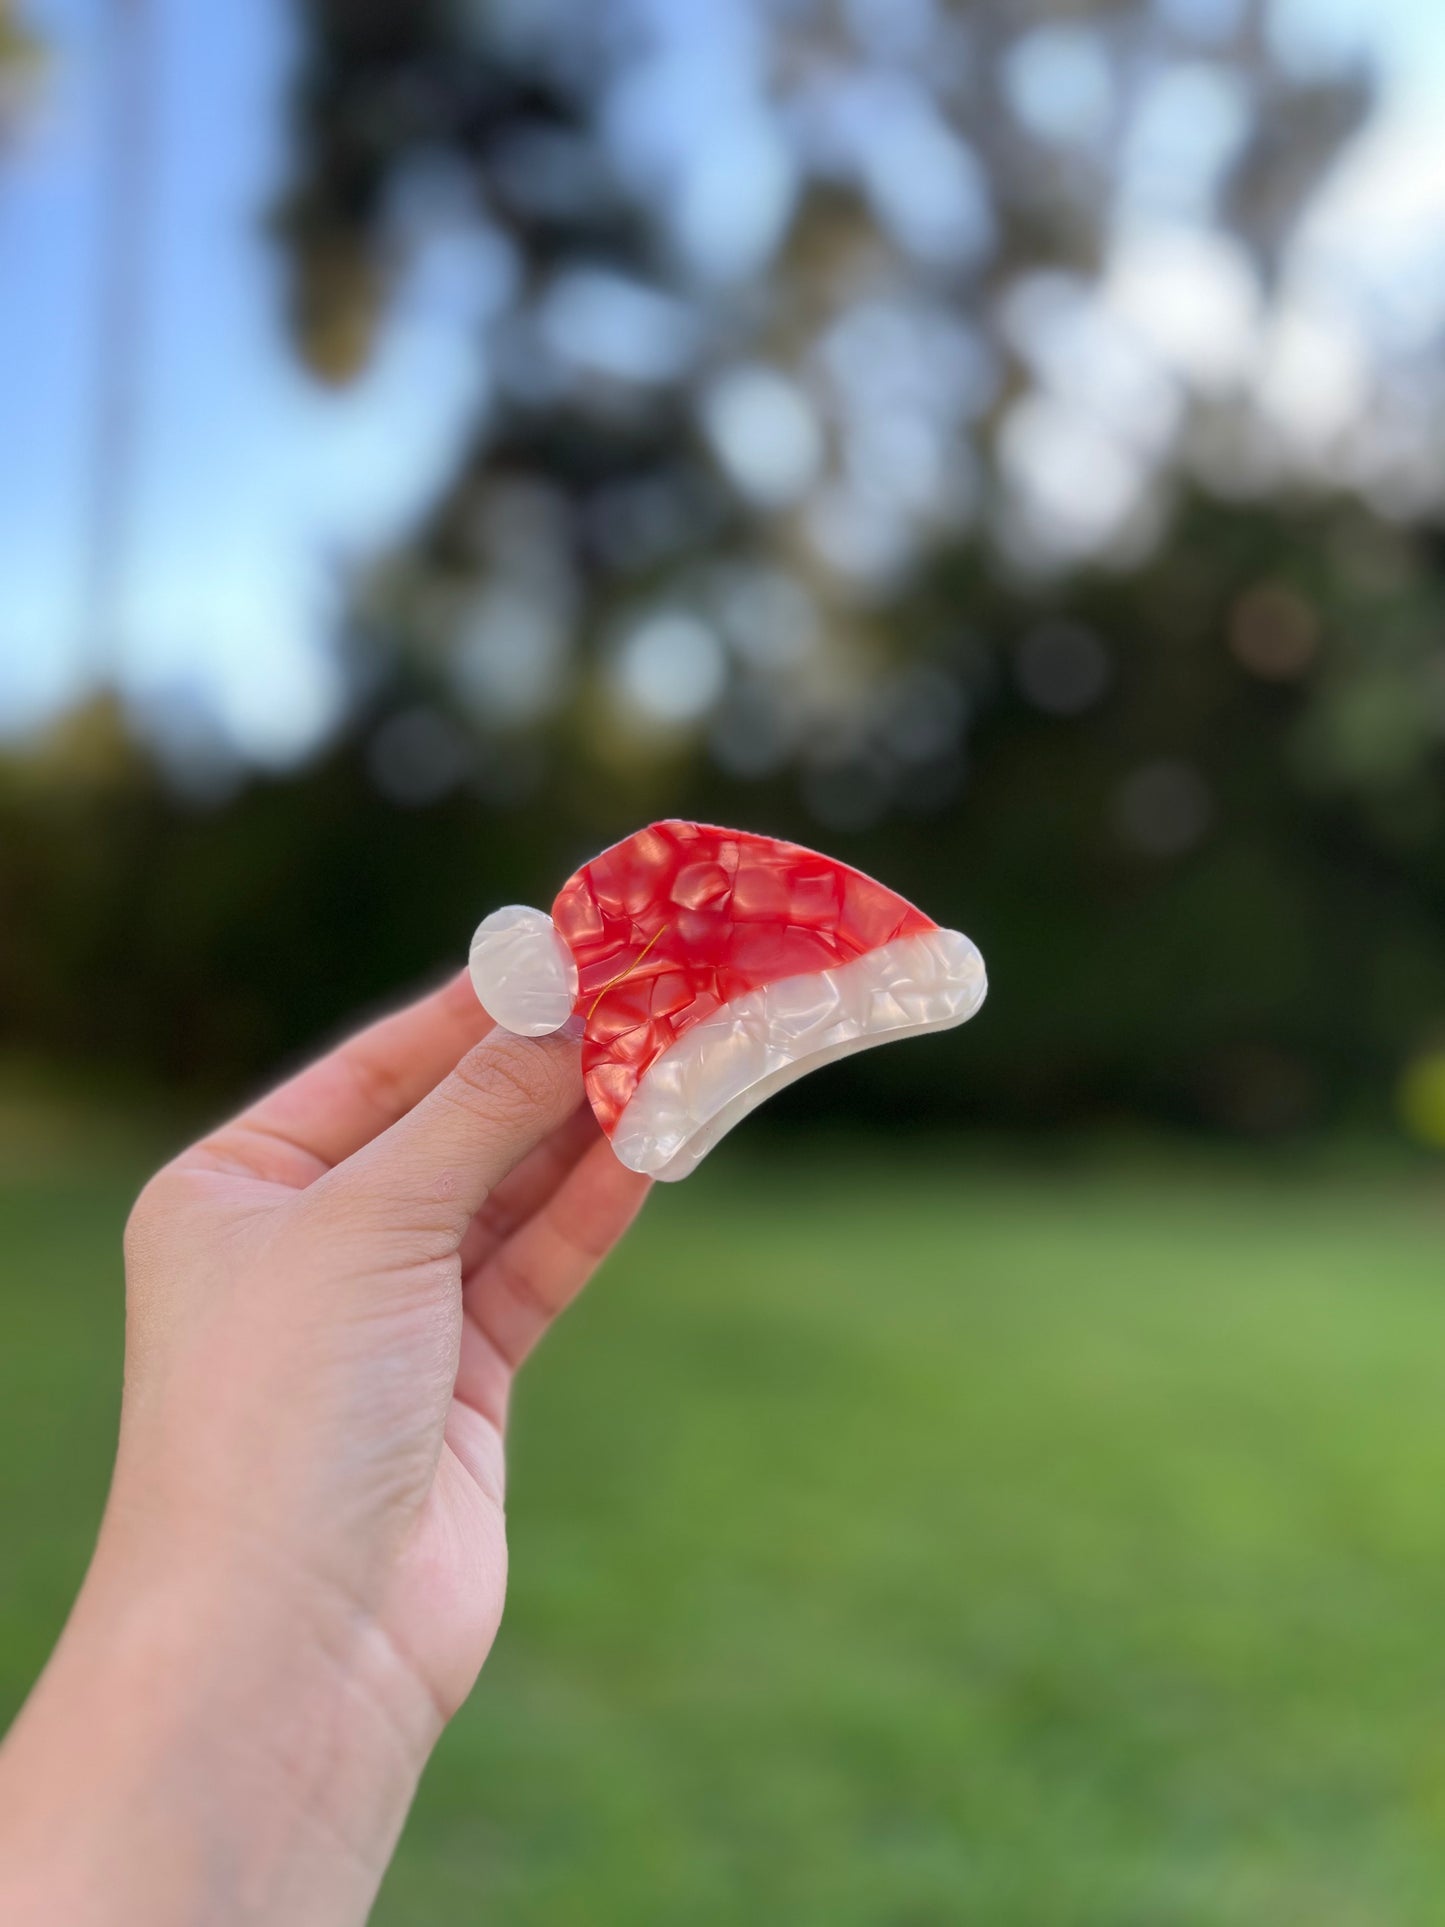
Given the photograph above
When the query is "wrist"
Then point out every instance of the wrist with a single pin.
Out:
(211, 1745)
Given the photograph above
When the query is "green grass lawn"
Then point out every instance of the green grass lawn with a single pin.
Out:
(965, 1546)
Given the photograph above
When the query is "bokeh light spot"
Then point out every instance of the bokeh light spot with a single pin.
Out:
(765, 433)
(1062, 668)
(670, 669)
(1163, 808)
(1273, 632)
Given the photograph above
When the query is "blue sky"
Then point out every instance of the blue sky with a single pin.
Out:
(253, 484)
(255, 487)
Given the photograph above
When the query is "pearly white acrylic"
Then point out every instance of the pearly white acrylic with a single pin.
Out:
(726, 1065)
(523, 973)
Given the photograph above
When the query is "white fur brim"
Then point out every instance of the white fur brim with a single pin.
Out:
(725, 1066)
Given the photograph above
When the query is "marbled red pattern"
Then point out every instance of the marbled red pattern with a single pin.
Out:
(682, 917)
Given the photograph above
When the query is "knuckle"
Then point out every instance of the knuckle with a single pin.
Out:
(379, 1085)
(518, 1076)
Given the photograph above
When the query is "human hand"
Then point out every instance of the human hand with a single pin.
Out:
(303, 1558)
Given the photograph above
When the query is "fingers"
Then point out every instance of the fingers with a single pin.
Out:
(528, 1188)
(514, 1295)
(336, 1105)
(437, 1166)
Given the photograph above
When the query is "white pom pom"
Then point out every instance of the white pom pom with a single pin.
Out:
(523, 973)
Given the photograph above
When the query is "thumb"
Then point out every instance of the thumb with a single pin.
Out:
(440, 1161)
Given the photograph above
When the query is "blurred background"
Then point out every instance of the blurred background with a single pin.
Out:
(1002, 443)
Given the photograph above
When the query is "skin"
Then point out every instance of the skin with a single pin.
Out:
(303, 1558)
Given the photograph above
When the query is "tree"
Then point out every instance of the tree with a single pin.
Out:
(782, 305)
(928, 507)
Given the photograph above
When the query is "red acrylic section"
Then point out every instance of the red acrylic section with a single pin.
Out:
(682, 917)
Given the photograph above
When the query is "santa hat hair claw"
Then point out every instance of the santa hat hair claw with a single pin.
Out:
(706, 968)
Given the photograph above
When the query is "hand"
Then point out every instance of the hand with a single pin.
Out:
(303, 1558)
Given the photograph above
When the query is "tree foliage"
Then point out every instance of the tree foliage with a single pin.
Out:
(845, 467)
